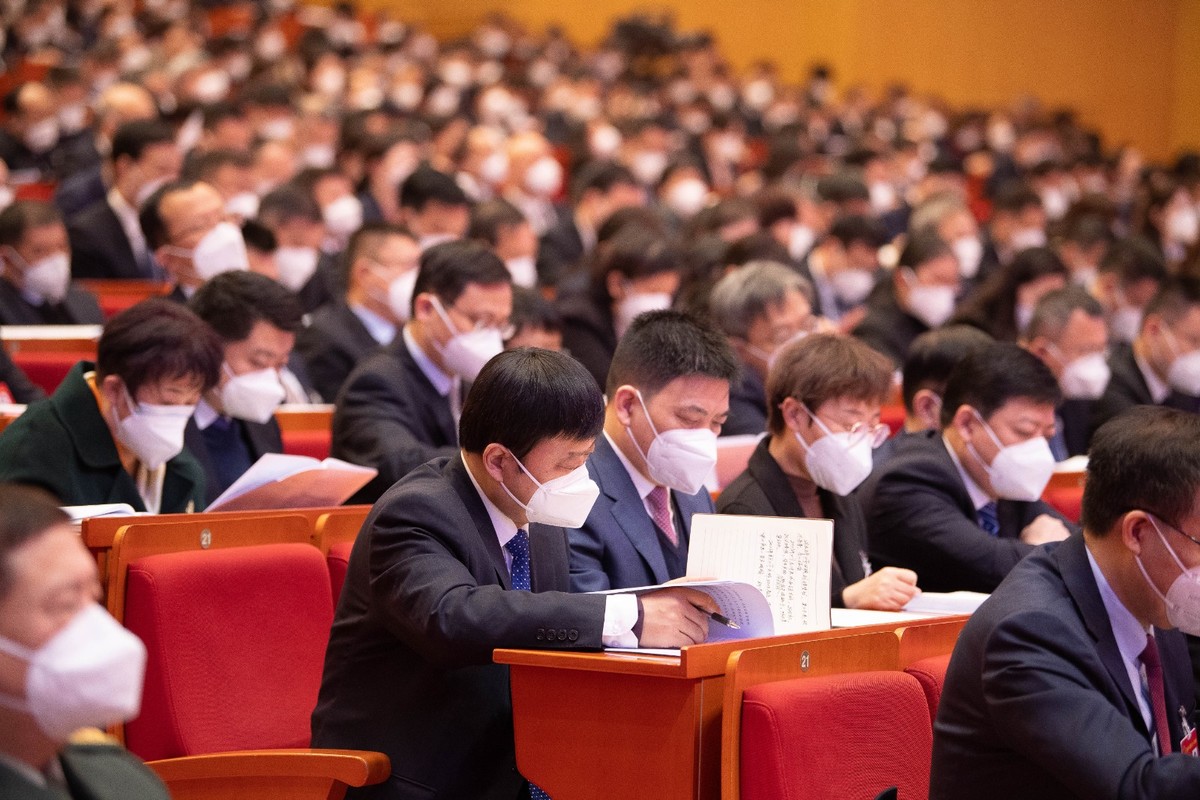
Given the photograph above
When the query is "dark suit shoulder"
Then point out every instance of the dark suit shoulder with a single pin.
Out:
(109, 772)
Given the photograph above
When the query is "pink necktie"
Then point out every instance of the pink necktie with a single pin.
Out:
(1158, 703)
(660, 504)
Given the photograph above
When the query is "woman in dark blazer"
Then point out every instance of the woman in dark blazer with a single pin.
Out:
(823, 398)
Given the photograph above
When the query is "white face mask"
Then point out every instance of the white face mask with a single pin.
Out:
(969, 252)
(933, 305)
(343, 216)
(544, 177)
(400, 294)
(1085, 377)
(883, 197)
(1183, 595)
(1055, 202)
(7, 195)
(220, 250)
(523, 270)
(243, 205)
(852, 285)
(296, 265)
(637, 303)
(467, 353)
(648, 166)
(604, 141)
(41, 137)
(1184, 374)
(800, 241)
(1126, 320)
(687, 197)
(1019, 471)
(72, 118)
(565, 501)
(681, 459)
(1026, 238)
(48, 279)
(88, 674)
(837, 462)
(494, 168)
(252, 396)
(153, 432)
(1183, 226)
(277, 128)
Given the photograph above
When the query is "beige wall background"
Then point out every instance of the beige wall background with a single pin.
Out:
(1130, 67)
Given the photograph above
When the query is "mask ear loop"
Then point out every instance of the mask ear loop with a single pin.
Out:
(1175, 558)
(824, 429)
(991, 434)
(527, 472)
(629, 429)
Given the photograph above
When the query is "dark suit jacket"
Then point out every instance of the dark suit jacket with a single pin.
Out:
(1075, 420)
(887, 327)
(560, 250)
(260, 438)
(19, 386)
(79, 307)
(920, 516)
(93, 772)
(332, 344)
(588, 333)
(99, 246)
(763, 490)
(63, 445)
(1127, 388)
(390, 417)
(747, 405)
(1037, 701)
(409, 666)
(79, 191)
(619, 546)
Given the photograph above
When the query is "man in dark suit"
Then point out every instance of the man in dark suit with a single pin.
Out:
(463, 556)
(400, 406)
(668, 394)
(761, 307)
(1162, 366)
(961, 508)
(49, 590)
(1069, 681)
(598, 189)
(381, 263)
(826, 387)
(30, 136)
(1069, 334)
(35, 285)
(234, 424)
(107, 240)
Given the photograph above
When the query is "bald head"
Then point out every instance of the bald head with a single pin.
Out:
(122, 103)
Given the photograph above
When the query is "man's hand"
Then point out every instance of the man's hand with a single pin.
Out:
(1045, 529)
(675, 617)
(889, 589)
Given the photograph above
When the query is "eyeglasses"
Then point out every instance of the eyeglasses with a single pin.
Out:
(505, 329)
(1173, 527)
(876, 433)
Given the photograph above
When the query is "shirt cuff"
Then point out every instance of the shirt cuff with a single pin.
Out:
(620, 615)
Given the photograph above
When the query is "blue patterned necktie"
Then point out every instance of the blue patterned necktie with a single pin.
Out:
(518, 548)
(988, 520)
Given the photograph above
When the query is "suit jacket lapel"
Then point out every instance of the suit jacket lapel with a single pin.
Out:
(456, 472)
(628, 509)
(438, 405)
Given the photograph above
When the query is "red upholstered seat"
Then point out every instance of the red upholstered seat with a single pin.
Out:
(1067, 500)
(931, 674)
(839, 737)
(47, 368)
(236, 640)
(315, 444)
(339, 561)
(893, 417)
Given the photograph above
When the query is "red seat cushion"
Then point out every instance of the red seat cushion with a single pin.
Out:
(307, 443)
(339, 562)
(931, 674)
(835, 737)
(236, 640)
(1067, 500)
(47, 368)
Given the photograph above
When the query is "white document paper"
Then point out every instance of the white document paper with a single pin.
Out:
(946, 603)
(787, 559)
(741, 603)
(857, 617)
(279, 481)
(77, 513)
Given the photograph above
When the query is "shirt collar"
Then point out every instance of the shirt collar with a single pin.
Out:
(205, 415)
(440, 380)
(505, 528)
(979, 498)
(1158, 389)
(380, 329)
(643, 484)
(1129, 633)
(120, 206)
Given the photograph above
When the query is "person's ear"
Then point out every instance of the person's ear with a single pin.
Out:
(964, 420)
(623, 400)
(928, 407)
(794, 416)
(614, 283)
(111, 388)
(494, 456)
(1133, 528)
(423, 308)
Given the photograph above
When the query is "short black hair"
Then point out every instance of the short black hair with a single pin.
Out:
(426, 185)
(757, 246)
(1014, 196)
(634, 252)
(1175, 297)
(857, 229)
(447, 269)
(988, 378)
(775, 205)
(600, 176)
(259, 237)
(366, 241)
(156, 340)
(842, 187)
(525, 396)
(202, 165)
(1134, 259)
(22, 215)
(233, 302)
(28, 513)
(150, 217)
(934, 355)
(661, 346)
(132, 138)
(923, 246)
(288, 202)
(1054, 310)
(488, 218)
(531, 310)
(1148, 459)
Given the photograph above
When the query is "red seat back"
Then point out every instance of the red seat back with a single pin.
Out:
(339, 562)
(46, 368)
(315, 444)
(1067, 500)
(236, 640)
(931, 674)
(835, 737)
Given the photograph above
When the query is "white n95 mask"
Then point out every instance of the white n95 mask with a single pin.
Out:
(467, 352)
(565, 501)
(252, 396)
(1183, 596)
(88, 674)
(153, 432)
(681, 458)
(222, 249)
(1019, 471)
(837, 462)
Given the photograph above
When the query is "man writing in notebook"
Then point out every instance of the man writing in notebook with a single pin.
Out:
(467, 554)
(1071, 680)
